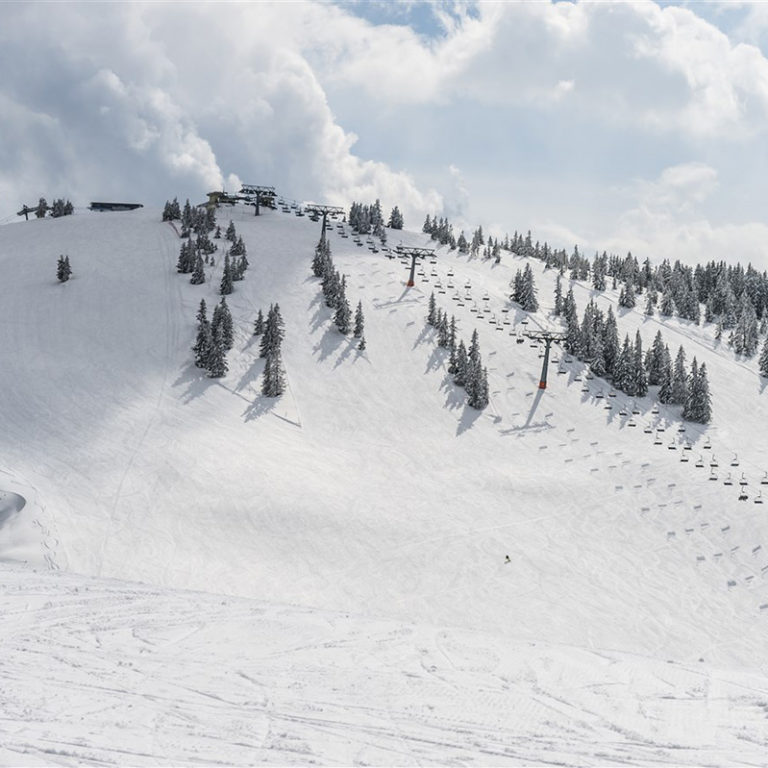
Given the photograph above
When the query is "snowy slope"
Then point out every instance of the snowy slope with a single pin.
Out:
(369, 487)
(100, 673)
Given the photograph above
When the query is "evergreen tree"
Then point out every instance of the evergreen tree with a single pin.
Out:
(359, 321)
(258, 325)
(476, 376)
(273, 332)
(361, 346)
(217, 356)
(42, 207)
(763, 362)
(679, 379)
(665, 378)
(230, 233)
(622, 369)
(432, 310)
(610, 341)
(639, 376)
(528, 291)
(226, 278)
(558, 296)
(198, 273)
(273, 382)
(650, 302)
(395, 219)
(63, 269)
(443, 331)
(655, 360)
(204, 339)
(186, 216)
(343, 315)
(462, 361)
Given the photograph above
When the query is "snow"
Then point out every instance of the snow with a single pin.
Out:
(373, 501)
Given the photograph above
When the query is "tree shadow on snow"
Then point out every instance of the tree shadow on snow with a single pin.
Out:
(259, 407)
(251, 374)
(347, 351)
(328, 344)
(196, 380)
(468, 419)
(422, 337)
(454, 395)
(436, 359)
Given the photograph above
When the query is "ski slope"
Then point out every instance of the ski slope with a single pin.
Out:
(369, 488)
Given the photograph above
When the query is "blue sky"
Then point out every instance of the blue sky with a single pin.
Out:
(622, 126)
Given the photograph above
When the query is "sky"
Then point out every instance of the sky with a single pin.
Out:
(633, 126)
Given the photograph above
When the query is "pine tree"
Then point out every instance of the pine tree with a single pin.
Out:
(432, 310)
(558, 296)
(361, 346)
(665, 378)
(610, 342)
(359, 321)
(443, 331)
(640, 378)
(63, 269)
(395, 219)
(186, 216)
(217, 357)
(476, 377)
(763, 362)
(198, 273)
(343, 315)
(679, 379)
(258, 325)
(223, 317)
(273, 382)
(622, 369)
(273, 332)
(462, 361)
(528, 293)
(230, 233)
(226, 278)
(203, 340)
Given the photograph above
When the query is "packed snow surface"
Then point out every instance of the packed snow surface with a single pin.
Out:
(374, 501)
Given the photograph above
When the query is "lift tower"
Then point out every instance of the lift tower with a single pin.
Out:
(414, 253)
(254, 190)
(547, 337)
(324, 210)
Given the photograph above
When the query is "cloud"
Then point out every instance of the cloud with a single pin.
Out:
(136, 110)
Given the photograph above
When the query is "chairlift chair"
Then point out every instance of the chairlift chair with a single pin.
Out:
(713, 462)
(712, 475)
(759, 498)
(743, 495)
(683, 457)
(743, 480)
(648, 429)
(764, 481)
(672, 446)
(700, 461)
(728, 480)
(735, 460)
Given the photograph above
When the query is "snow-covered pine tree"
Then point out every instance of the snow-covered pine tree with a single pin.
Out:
(655, 360)
(258, 325)
(362, 345)
(443, 331)
(610, 341)
(462, 361)
(198, 273)
(665, 378)
(186, 216)
(558, 310)
(528, 298)
(217, 356)
(274, 332)
(691, 390)
(395, 219)
(342, 317)
(63, 269)
(639, 376)
(432, 310)
(359, 330)
(650, 303)
(667, 305)
(476, 376)
(273, 382)
(230, 233)
(226, 287)
(679, 379)
(622, 369)
(204, 339)
(763, 361)
(572, 329)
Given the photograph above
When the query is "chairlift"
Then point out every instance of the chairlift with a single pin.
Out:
(648, 429)
(450, 273)
(743, 495)
(467, 285)
(524, 321)
(700, 461)
(631, 423)
(661, 429)
(519, 339)
(655, 410)
(590, 376)
(657, 440)
(764, 481)
(683, 458)
(585, 388)
(600, 395)
(611, 394)
(708, 444)
(623, 412)
(635, 410)
(743, 480)
(577, 377)
(713, 462)
(681, 429)
(506, 321)
(687, 446)
(728, 480)
(486, 297)
(672, 446)
(759, 498)
(505, 310)
(486, 309)
(568, 359)
(735, 460)
(561, 371)
(712, 475)
(492, 320)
